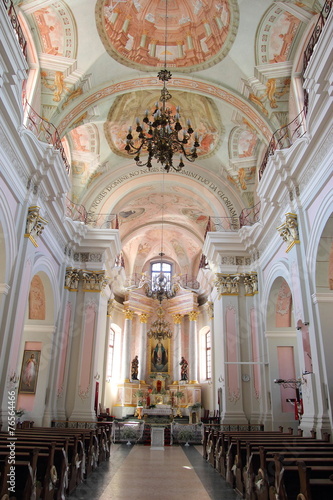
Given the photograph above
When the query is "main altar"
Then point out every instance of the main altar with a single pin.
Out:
(158, 399)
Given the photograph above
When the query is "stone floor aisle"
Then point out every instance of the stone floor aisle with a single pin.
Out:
(139, 473)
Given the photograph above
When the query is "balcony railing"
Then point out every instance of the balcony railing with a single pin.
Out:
(284, 138)
(250, 216)
(45, 132)
(316, 33)
(79, 213)
(184, 280)
(16, 26)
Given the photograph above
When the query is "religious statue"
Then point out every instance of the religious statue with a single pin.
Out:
(184, 365)
(135, 368)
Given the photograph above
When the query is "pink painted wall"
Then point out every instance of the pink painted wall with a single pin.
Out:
(255, 352)
(286, 365)
(231, 338)
(87, 352)
(27, 401)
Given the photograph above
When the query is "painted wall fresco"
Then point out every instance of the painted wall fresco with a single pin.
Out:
(200, 110)
(37, 299)
(199, 34)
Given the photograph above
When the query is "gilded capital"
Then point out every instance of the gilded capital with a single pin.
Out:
(128, 314)
(227, 284)
(94, 281)
(250, 283)
(143, 318)
(289, 230)
(34, 224)
(193, 315)
(177, 318)
(72, 279)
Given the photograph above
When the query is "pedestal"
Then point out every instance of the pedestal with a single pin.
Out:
(157, 438)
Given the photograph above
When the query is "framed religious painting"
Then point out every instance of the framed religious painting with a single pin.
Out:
(159, 355)
(29, 372)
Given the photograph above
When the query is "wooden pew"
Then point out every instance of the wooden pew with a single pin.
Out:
(311, 485)
(25, 473)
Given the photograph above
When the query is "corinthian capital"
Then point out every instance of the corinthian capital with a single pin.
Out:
(227, 284)
(128, 314)
(193, 315)
(177, 318)
(72, 278)
(289, 230)
(34, 224)
(143, 318)
(94, 281)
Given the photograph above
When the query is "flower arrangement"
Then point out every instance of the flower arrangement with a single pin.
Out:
(195, 406)
(185, 435)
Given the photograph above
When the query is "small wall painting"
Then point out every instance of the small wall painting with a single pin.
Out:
(29, 372)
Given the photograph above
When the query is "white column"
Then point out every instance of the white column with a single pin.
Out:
(126, 347)
(177, 319)
(143, 347)
(193, 348)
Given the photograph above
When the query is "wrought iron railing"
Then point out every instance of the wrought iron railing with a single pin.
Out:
(316, 33)
(135, 280)
(224, 224)
(250, 216)
(79, 213)
(45, 132)
(284, 138)
(16, 26)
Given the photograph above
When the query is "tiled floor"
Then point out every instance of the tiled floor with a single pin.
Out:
(139, 473)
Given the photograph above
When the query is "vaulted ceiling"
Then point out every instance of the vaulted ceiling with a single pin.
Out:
(95, 67)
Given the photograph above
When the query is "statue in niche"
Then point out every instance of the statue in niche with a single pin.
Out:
(135, 368)
(184, 369)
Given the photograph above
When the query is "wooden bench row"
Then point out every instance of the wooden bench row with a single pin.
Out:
(48, 463)
(271, 465)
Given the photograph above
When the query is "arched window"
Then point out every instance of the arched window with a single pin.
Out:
(156, 269)
(110, 353)
(208, 346)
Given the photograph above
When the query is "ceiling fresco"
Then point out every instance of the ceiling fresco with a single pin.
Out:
(234, 65)
(201, 111)
(199, 34)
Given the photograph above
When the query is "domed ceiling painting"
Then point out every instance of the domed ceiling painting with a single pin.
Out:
(199, 34)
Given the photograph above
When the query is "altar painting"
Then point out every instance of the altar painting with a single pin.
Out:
(159, 355)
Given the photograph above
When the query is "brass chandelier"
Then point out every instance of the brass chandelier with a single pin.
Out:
(162, 136)
(160, 328)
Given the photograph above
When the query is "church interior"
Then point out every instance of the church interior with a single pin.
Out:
(166, 228)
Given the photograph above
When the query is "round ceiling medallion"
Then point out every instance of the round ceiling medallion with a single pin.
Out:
(199, 34)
